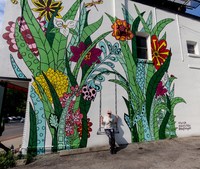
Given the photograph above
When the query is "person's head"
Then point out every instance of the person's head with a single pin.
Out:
(109, 113)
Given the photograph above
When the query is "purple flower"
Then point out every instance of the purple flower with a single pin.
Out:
(160, 91)
(90, 58)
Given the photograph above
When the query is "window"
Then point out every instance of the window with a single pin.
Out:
(192, 47)
(143, 45)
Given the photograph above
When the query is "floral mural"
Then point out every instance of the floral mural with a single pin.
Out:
(68, 68)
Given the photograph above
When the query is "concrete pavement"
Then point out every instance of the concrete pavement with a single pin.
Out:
(179, 153)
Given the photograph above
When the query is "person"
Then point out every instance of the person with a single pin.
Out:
(109, 122)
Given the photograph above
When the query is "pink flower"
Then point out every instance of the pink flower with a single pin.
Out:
(77, 117)
(64, 99)
(90, 58)
(89, 93)
(25, 31)
(160, 91)
(69, 129)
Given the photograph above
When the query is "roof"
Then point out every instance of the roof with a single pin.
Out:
(170, 6)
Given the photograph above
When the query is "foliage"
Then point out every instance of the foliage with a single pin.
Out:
(7, 160)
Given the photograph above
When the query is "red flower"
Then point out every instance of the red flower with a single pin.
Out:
(159, 51)
(90, 58)
(160, 91)
(25, 31)
(80, 128)
(121, 30)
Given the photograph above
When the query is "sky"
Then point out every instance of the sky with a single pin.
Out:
(2, 4)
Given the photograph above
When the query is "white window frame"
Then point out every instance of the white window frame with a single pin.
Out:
(196, 51)
(148, 44)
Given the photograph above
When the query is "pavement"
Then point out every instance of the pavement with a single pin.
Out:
(178, 153)
(15, 141)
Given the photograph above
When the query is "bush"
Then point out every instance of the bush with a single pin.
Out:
(7, 160)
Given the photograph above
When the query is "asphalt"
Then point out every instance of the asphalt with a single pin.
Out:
(178, 153)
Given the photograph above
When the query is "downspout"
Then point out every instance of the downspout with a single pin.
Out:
(179, 38)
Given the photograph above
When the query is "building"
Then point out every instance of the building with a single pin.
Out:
(83, 57)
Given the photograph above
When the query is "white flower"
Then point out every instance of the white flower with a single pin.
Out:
(64, 26)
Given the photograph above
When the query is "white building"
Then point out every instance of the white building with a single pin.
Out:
(83, 57)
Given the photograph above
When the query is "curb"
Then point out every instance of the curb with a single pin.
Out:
(83, 150)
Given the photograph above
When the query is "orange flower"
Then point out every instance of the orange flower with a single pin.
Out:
(121, 30)
(159, 51)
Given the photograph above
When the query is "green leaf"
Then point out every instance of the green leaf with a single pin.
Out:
(32, 143)
(160, 26)
(59, 49)
(153, 83)
(77, 67)
(90, 29)
(121, 83)
(71, 13)
(75, 39)
(145, 25)
(44, 48)
(164, 37)
(29, 58)
(127, 15)
(53, 121)
(127, 120)
(56, 102)
(112, 19)
(175, 101)
(72, 31)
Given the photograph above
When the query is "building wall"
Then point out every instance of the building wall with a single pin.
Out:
(152, 100)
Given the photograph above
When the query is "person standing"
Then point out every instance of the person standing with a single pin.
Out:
(109, 121)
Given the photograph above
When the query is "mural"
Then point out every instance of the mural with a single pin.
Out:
(68, 68)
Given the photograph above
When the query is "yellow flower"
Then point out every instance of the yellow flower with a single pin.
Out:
(57, 79)
(46, 8)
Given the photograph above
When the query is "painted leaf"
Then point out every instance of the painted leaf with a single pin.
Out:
(112, 19)
(53, 121)
(148, 22)
(75, 39)
(175, 101)
(121, 83)
(153, 83)
(127, 15)
(127, 120)
(56, 102)
(160, 26)
(90, 29)
(29, 58)
(16, 68)
(44, 48)
(146, 28)
(59, 49)
(32, 143)
(71, 13)
(164, 37)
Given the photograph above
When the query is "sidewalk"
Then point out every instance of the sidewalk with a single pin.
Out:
(16, 142)
(179, 153)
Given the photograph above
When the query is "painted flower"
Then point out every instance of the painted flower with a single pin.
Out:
(64, 26)
(46, 8)
(159, 51)
(90, 58)
(77, 117)
(121, 30)
(69, 128)
(65, 98)
(89, 129)
(89, 93)
(57, 79)
(161, 90)
(25, 31)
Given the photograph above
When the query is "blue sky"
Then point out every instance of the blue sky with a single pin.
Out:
(2, 4)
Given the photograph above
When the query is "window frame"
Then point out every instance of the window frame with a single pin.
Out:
(148, 44)
(195, 45)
